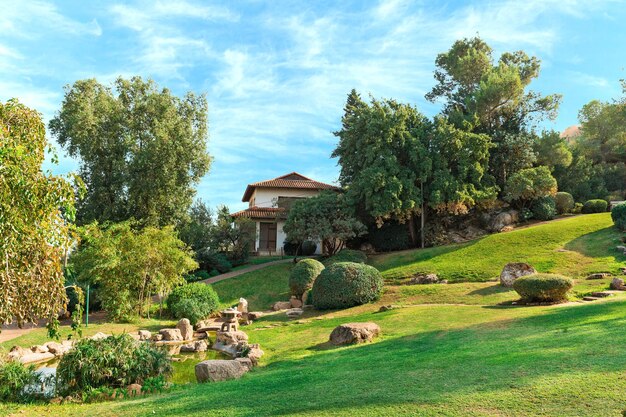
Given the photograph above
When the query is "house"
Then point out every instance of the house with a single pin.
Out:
(269, 202)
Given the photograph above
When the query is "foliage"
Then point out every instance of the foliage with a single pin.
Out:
(210, 260)
(347, 255)
(194, 301)
(115, 361)
(14, 379)
(578, 208)
(564, 202)
(196, 229)
(618, 214)
(544, 208)
(391, 236)
(595, 206)
(308, 248)
(552, 150)
(325, 218)
(303, 275)
(199, 275)
(35, 208)
(233, 237)
(543, 287)
(130, 266)
(529, 184)
(142, 149)
(346, 284)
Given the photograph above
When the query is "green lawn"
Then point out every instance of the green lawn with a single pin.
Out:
(574, 246)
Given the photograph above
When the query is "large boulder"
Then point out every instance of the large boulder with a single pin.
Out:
(231, 338)
(186, 329)
(255, 315)
(295, 302)
(513, 271)
(144, 334)
(56, 348)
(502, 220)
(618, 284)
(349, 333)
(219, 370)
(171, 335)
(281, 305)
(197, 346)
(425, 279)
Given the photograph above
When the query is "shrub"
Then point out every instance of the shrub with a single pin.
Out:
(199, 275)
(14, 379)
(346, 284)
(194, 301)
(214, 260)
(578, 208)
(347, 255)
(308, 248)
(595, 206)
(564, 202)
(543, 287)
(618, 214)
(544, 208)
(303, 275)
(389, 237)
(113, 362)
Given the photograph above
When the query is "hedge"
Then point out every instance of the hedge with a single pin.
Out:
(346, 284)
(303, 275)
(543, 287)
(193, 301)
(618, 214)
(595, 206)
(564, 202)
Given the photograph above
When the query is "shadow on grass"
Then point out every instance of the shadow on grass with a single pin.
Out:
(491, 290)
(598, 244)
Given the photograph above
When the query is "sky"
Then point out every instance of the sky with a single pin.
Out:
(277, 73)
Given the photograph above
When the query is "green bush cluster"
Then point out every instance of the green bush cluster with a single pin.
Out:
(303, 275)
(543, 287)
(389, 237)
(564, 202)
(347, 255)
(14, 380)
(618, 214)
(199, 275)
(193, 301)
(210, 260)
(116, 361)
(578, 208)
(544, 208)
(595, 206)
(346, 284)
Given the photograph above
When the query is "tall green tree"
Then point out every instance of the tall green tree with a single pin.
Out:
(552, 150)
(35, 208)
(142, 149)
(528, 185)
(196, 229)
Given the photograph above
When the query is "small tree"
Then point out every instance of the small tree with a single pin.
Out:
(326, 218)
(234, 237)
(529, 184)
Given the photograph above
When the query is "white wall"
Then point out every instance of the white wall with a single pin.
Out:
(266, 197)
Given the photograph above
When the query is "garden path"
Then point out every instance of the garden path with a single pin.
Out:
(234, 274)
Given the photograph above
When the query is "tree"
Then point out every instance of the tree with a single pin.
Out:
(529, 184)
(35, 208)
(130, 265)
(196, 229)
(325, 218)
(233, 237)
(142, 149)
(552, 150)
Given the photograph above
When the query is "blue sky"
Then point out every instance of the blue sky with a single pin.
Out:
(276, 73)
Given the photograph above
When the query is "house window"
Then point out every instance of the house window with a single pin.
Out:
(267, 237)
(286, 202)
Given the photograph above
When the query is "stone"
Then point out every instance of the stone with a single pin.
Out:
(242, 307)
(134, 390)
(245, 362)
(39, 349)
(200, 335)
(388, 307)
(281, 305)
(502, 220)
(598, 275)
(33, 357)
(349, 333)
(219, 370)
(144, 334)
(186, 329)
(99, 336)
(157, 337)
(368, 248)
(618, 284)
(232, 338)
(294, 312)
(425, 279)
(295, 302)
(513, 271)
(57, 349)
(255, 315)
(622, 248)
(17, 352)
(197, 346)
(171, 335)
(255, 353)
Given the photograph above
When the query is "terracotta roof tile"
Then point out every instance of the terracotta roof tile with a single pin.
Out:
(292, 180)
(261, 212)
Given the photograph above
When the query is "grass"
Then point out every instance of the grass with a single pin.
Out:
(575, 246)
(258, 260)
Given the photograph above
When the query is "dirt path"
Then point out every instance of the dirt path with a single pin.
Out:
(234, 274)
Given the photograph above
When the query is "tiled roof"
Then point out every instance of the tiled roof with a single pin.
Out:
(261, 212)
(292, 180)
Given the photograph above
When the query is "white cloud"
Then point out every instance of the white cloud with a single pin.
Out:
(589, 80)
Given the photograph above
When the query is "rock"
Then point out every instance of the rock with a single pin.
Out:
(255, 315)
(32, 357)
(38, 349)
(622, 248)
(144, 334)
(232, 338)
(55, 400)
(598, 275)
(350, 333)
(171, 335)
(443, 281)
(219, 370)
(245, 362)
(425, 279)
(295, 302)
(197, 346)
(17, 352)
(186, 329)
(388, 307)
(200, 335)
(507, 229)
(513, 271)
(157, 337)
(242, 307)
(56, 349)
(134, 390)
(255, 353)
(99, 336)
(294, 312)
(499, 222)
(618, 284)
(199, 325)
(368, 248)
(281, 305)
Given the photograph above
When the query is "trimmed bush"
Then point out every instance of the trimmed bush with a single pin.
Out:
(193, 301)
(618, 214)
(543, 287)
(113, 362)
(346, 284)
(347, 255)
(578, 208)
(303, 275)
(595, 206)
(564, 202)
(544, 208)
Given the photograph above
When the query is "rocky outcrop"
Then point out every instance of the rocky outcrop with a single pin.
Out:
(350, 333)
(186, 329)
(281, 305)
(502, 220)
(219, 370)
(513, 271)
(171, 335)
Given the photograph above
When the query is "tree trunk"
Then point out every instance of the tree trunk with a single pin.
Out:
(411, 227)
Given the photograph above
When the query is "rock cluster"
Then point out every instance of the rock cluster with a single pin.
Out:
(40, 353)
(513, 271)
(502, 220)
(350, 333)
(427, 279)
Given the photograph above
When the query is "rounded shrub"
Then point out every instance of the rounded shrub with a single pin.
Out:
(564, 202)
(578, 208)
(346, 284)
(347, 255)
(595, 206)
(543, 287)
(303, 275)
(544, 208)
(618, 214)
(193, 301)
